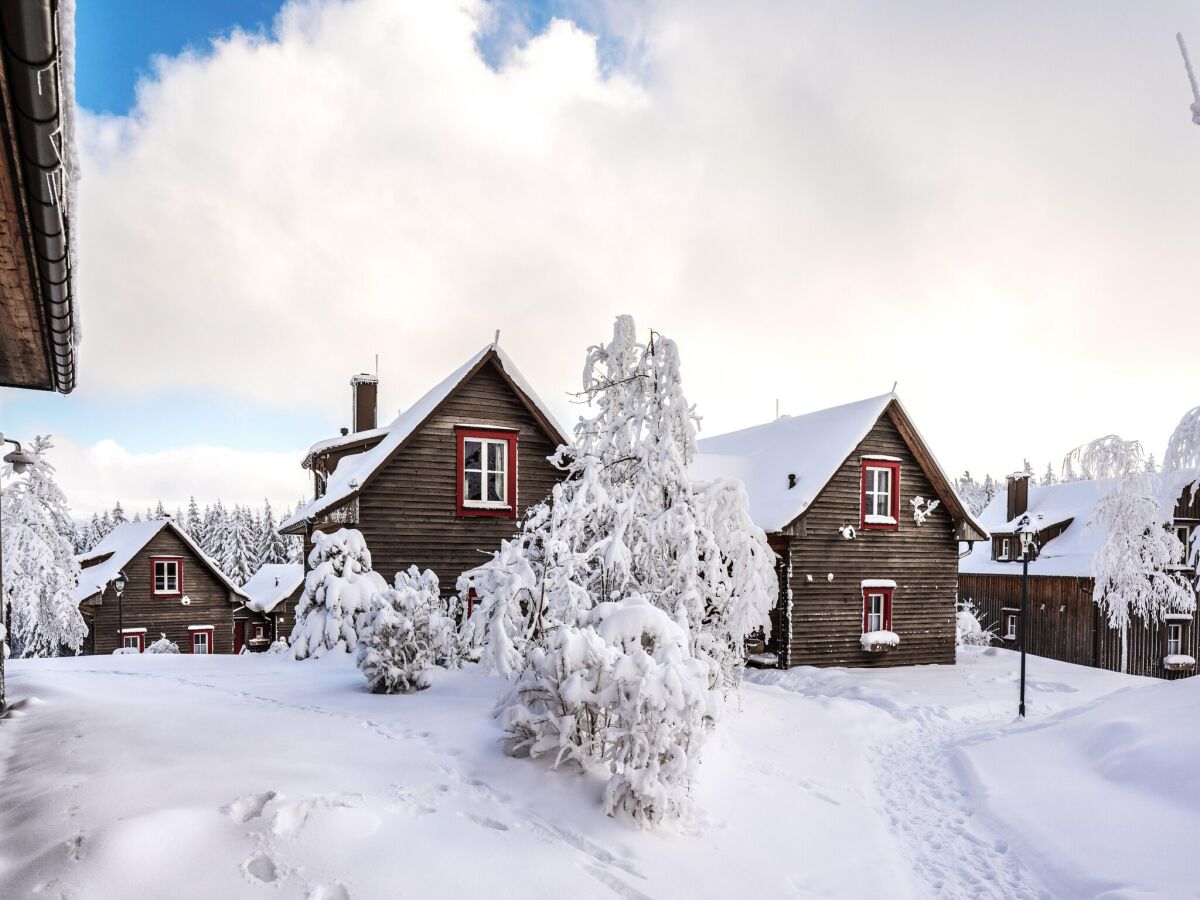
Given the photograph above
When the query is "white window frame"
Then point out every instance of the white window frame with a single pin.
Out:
(485, 473)
(208, 636)
(1010, 626)
(166, 588)
(1183, 532)
(1174, 636)
(872, 616)
(131, 641)
(1005, 548)
(873, 494)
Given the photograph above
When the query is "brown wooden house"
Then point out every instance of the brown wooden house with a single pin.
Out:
(446, 481)
(172, 589)
(270, 610)
(1064, 621)
(867, 570)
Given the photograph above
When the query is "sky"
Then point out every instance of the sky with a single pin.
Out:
(992, 207)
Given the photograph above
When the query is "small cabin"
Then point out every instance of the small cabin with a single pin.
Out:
(171, 589)
(1065, 622)
(270, 609)
(446, 481)
(866, 527)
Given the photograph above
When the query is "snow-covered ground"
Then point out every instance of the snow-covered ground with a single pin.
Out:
(258, 776)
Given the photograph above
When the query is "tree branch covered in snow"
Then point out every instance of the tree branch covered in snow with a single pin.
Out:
(405, 633)
(339, 585)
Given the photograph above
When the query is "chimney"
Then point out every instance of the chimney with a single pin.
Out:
(1018, 494)
(364, 393)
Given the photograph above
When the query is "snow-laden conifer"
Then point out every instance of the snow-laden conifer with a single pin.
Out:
(271, 548)
(163, 645)
(339, 586)
(40, 571)
(405, 633)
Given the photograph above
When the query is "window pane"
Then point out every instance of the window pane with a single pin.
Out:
(496, 456)
(496, 487)
(473, 486)
(472, 455)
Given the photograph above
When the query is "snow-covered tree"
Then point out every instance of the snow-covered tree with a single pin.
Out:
(1049, 477)
(339, 586)
(971, 492)
(1069, 473)
(163, 645)
(118, 515)
(191, 521)
(271, 546)
(405, 633)
(625, 522)
(239, 547)
(40, 571)
(160, 511)
(213, 535)
(969, 630)
(1133, 575)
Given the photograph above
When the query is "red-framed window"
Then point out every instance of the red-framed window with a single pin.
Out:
(487, 472)
(166, 576)
(877, 609)
(202, 641)
(880, 495)
(135, 640)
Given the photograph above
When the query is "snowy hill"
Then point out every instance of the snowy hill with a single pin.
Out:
(258, 776)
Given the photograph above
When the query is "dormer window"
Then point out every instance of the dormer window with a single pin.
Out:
(487, 477)
(1183, 533)
(880, 495)
(166, 576)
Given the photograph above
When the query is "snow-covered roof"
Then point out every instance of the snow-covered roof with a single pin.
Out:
(1068, 555)
(354, 471)
(121, 545)
(812, 447)
(351, 438)
(271, 584)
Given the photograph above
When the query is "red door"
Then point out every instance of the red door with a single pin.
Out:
(239, 635)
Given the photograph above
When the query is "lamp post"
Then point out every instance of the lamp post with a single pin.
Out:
(119, 586)
(1025, 532)
(20, 462)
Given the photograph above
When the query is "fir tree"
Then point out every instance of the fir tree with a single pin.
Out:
(160, 511)
(118, 516)
(271, 546)
(1049, 477)
(192, 523)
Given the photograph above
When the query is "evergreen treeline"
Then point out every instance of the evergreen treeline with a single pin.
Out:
(978, 494)
(239, 540)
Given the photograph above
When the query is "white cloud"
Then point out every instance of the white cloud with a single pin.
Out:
(815, 200)
(95, 477)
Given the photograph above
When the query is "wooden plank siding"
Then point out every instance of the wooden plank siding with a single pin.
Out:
(922, 560)
(1065, 624)
(408, 513)
(211, 602)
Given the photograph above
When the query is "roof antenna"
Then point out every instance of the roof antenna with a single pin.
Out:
(496, 339)
(376, 365)
(777, 407)
(894, 383)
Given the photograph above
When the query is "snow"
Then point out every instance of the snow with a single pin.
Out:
(812, 447)
(1097, 793)
(271, 584)
(1178, 659)
(353, 471)
(877, 519)
(878, 583)
(121, 545)
(872, 639)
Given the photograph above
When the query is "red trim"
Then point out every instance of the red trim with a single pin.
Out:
(178, 560)
(209, 632)
(472, 595)
(141, 639)
(510, 438)
(867, 592)
(894, 467)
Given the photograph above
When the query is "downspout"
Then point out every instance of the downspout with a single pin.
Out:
(33, 68)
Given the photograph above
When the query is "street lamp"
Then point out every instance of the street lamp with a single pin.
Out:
(20, 462)
(119, 586)
(1025, 532)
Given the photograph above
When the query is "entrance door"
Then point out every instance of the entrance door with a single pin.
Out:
(239, 635)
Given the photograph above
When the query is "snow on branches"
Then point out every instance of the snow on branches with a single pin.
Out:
(163, 645)
(338, 587)
(405, 633)
(625, 522)
(40, 570)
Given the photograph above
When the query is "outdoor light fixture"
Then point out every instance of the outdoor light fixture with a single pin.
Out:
(1025, 533)
(119, 584)
(18, 459)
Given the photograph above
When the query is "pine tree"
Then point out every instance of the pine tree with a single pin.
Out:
(40, 571)
(339, 585)
(160, 512)
(118, 515)
(271, 546)
(106, 525)
(1049, 477)
(192, 523)
(137, 517)
(1069, 473)
(238, 553)
(214, 530)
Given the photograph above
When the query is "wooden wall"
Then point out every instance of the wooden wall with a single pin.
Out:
(922, 560)
(210, 602)
(408, 514)
(1065, 624)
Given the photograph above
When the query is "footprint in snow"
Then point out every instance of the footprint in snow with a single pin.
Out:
(74, 845)
(333, 891)
(248, 806)
(260, 867)
(493, 824)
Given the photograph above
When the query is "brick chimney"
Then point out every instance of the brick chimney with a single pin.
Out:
(1018, 494)
(364, 394)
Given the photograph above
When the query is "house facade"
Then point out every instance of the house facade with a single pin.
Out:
(446, 481)
(171, 589)
(866, 526)
(1064, 621)
(270, 609)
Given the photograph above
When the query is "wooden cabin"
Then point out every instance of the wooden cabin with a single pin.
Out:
(270, 610)
(866, 526)
(446, 481)
(1064, 621)
(172, 589)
